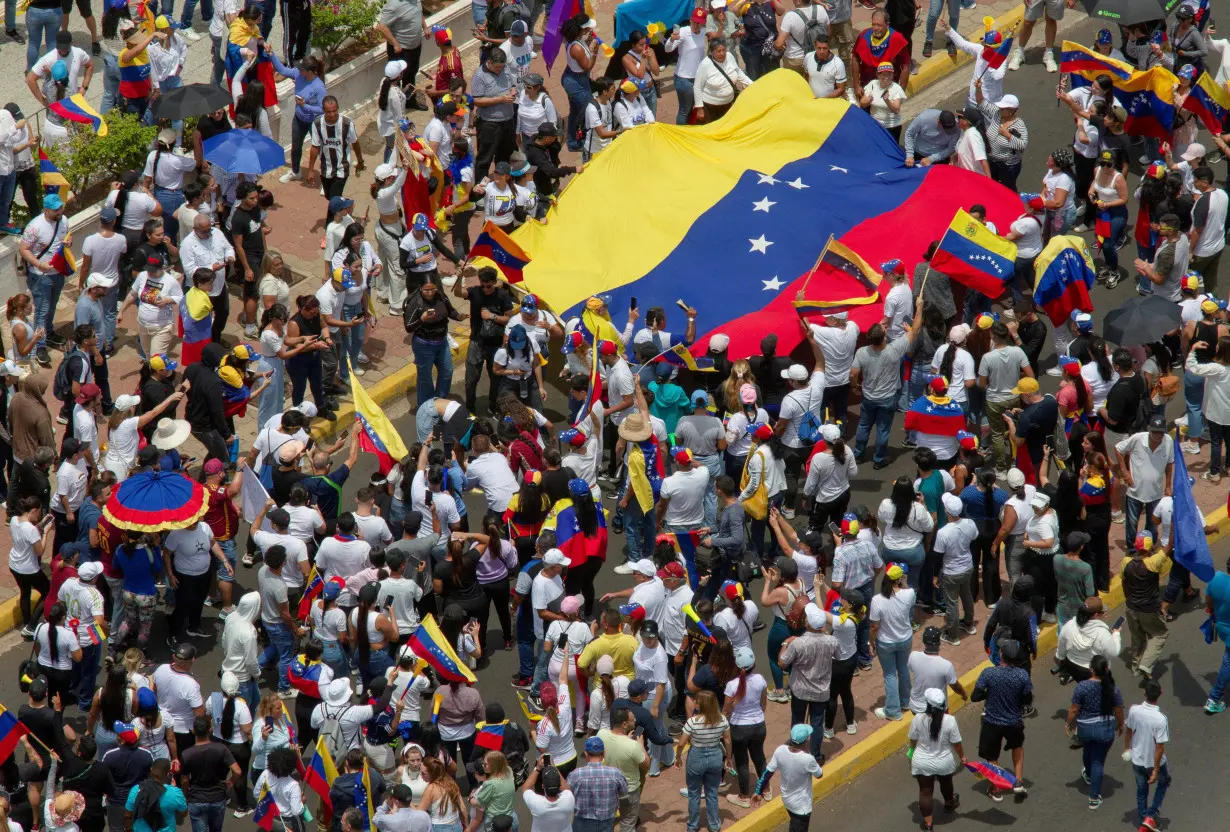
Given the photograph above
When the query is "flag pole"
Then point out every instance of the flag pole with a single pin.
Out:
(816, 265)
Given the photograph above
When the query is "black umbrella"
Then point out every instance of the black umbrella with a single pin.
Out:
(190, 100)
(1130, 12)
(1140, 320)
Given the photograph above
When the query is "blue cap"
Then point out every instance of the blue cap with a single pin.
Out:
(59, 71)
(52, 202)
(529, 303)
(800, 734)
(1084, 321)
(339, 203)
(578, 487)
(1187, 72)
(700, 398)
(1104, 37)
(69, 550)
(420, 222)
(517, 338)
(347, 279)
(663, 371)
(594, 745)
(146, 698)
(331, 590)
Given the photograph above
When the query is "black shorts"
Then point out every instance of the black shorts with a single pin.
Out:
(248, 288)
(991, 738)
(83, 6)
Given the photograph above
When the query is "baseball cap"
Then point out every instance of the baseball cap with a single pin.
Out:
(1076, 541)
(1104, 37)
(938, 385)
(952, 504)
(1025, 386)
(108, 214)
(931, 637)
(815, 616)
(572, 437)
(1143, 542)
(849, 525)
(644, 566)
(554, 557)
(744, 658)
(682, 456)
(162, 361)
(383, 171)
(13, 370)
(649, 629)
(800, 734)
(948, 120)
(339, 203)
(52, 202)
(607, 348)
(593, 745)
(1040, 500)
(1008, 102)
(518, 29)
(638, 687)
(213, 466)
(634, 611)
(698, 16)
(674, 569)
(186, 651)
(89, 571)
(1083, 321)
(795, 372)
(700, 398)
(747, 394)
(935, 697)
(967, 440)
(1157, 424)
(420, 222)
(503, 168)
(1016, 479)
(760, 430)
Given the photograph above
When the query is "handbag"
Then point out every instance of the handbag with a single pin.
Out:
(757, 505)
(722, 72)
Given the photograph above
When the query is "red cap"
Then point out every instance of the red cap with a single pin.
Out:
(674, 569)
(607, 348)
(698, 16)
(938, 385)
(683, 456)
(763, 432)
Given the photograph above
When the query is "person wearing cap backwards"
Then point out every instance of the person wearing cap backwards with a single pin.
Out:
(931, 137)
(798, 767)
(39, 242)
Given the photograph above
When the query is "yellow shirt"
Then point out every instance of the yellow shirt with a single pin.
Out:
(619, 647)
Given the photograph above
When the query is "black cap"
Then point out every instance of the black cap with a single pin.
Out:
(1184, 13)
(548, 128)
(186, 651)
(972, 114)
(649, 629)
(1075, 541)
(64, 38)
(638, 687)
(14, 111)
(853, 597)
(550, 781)
(70, 446)
(502, 168)
(1157, 424)
(947, 120)
(813, 539)
(149, 455)
(1009, 649)
(38, 688)
(931, 638)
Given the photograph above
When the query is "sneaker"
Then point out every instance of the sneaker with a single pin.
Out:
(359, 371)
(523, 682)
(247, 559)
(363, 359)
(852, 728)
(62, 420)
(655, 769)
(1029, 712)
(289, 693)
(1149, 823)
(883, 714)
(1079, 228)
(951, 806)
(1181, 421)
(15, 36)
(1048, 618)
(683, 792)
(623, 569)
(778, 695)
(197, 633)
(1094, 802)
(970, 629)
(1210, 707)
(952, 50)
(1210, 476)
(829, 733)
(1048, 61)
(995, 794)
(1112, 280)
(43, 357)
(289, 176)
(250, 331)
(1145, 160)
(909, 443)
(743, 802)
(1116, 517)
(1085, 776)
(225, 612)
(1016, 59)
(788, 513)
(241, 813)
(27, 633)
(1055, 372)
(926, 53)
(947, 639)
(191, 36)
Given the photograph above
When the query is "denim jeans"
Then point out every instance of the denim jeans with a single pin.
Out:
(84, 674)
(1118, 227)
(716, 469)
(335, 657)
(45, 288)
(282, 645)
(185, 18)
(207, 817)
(640, 545)
(576, 87)
(8, 186)
(1093, 756)
(586, 824)
(1143, 808)
(1193, 399)
(219, 68)
(274, 395)
(42, 26)
(1219, 435)
(809, 712)
(1132, 510)
(542, 660)
(660, 755)
(111, 84)
(1223, 677)
(429, 355)
(894, 658)
(353, 337)
(687, 98)
(912, 558)
(704, 772)
(250, 693)
(933, 14)
(878, 413)
(170, 200)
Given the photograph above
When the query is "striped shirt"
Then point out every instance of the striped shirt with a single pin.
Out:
(999, 149)
(334, 142)
(704, 734)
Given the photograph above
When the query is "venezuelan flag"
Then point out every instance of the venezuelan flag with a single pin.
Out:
(53, 181)
(429, 644)
(939, 416)
(1148, 96)
(291, 732)
(378, 435)
(95, 634)
(596, 326)
(1209, 101)
(320, 774)
(135, 79)
(568, 535)
(495, 245)
(304, 676)
(593, 395)
(1095, 491)
(489, 736)
(679, 356)
(315, 584)
(196, 318)
(76, 109)
(1089, 64)
(972, 254)
(63, 261)
(1064, 275)
(266, 810)
(996, 55)
(745, 206)
(363, 797)
(11, 732)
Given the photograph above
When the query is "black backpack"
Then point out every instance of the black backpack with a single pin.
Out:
(62, 386)
(148, 805)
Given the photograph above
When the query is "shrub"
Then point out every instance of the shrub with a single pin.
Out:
(334, 25)
(85, 158)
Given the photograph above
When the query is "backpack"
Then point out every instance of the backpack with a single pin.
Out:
(148, 805)
(62, 386)
(381, 729)
(812, 28)
(331, 732)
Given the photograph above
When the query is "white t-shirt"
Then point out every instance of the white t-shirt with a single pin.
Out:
(498, 204)
(911, 533)
(519, 57)
(1149, 727)
(23, 535)
(971, 151)
(894, 615)
(543, 591)
(122, 443)
(373, 529)
(66, 643)
(928, 671)
(1057, 180)
(933, 757)
(651, 595)
(446, 506)
(178, 694)
(72, 480)
(797, 769)
(953, 542)
(963, 370)
(1098, 386)
(243, 716)
(1148, 466)
(327, 625)
(898, 308)
(880, 96)
(794, 24)
(747, 711)
(739, 631)
(296, 553)
(149, 290)
(837, 346)
(1029, 240)
(823, 80)
(1165, 517)
(620, 383)
(651, 665)
(559, 744)
(105, 254)
(190, 548)
(686, 491)
(342, 559)
(596, 114)
(304, 521)
(550, 815)
(491, 472)
(632, 113)
(796, 403)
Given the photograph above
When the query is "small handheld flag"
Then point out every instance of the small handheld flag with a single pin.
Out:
(320, 774)
(53, 181)
(76, 109)
(490, 737)
(11, 732)
(430, 644)
(495, 245)
(680, 356)
(315, 584)
(377, 435)
(972, 254)
(266, 810)
(996, 55)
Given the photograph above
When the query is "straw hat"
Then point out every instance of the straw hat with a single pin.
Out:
(635, 428)
(171, 433)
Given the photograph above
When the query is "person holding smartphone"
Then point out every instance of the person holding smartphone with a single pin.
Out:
(1083, 637)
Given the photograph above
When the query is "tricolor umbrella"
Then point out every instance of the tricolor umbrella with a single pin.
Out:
(1140, 320)
(244, 151)
(156, 501)
(190, 100)
(997, 776)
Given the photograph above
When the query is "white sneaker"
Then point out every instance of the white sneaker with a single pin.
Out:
(788, 513)
(288, 694)
(1055, 372)
(289, 176)
(189, 35)
(623, 569)
(1048, 60)
(363, 358)
(1016, 59)
(1181, 421)
(250, 331)
(829, 733)
(852, 728)
(1080, 228)
(1048, 618)
(358, 371)
(883, 714)
(1190, 446)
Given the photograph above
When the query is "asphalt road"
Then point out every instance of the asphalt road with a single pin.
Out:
(887, 796)
(1049, 128)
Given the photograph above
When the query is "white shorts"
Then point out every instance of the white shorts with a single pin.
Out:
(1054, 9)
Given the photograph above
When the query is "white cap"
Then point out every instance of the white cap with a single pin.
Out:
(935, 697)
(1194, 151)
(1015, 478)
(838, 316)
(719, 342)
(307, 408)
(1040, 500)
(952, 504)
(645, 567)
(126, 402)
(394, 69)
(554, 557)
(717, 4)
(590, 24)
(830, 433)
(1009, 102)
(13, 370)
(795, 372)
(89, 570)
(95, 281)
(230, 683)
(383, 171)
(815, 616)
(959, 333)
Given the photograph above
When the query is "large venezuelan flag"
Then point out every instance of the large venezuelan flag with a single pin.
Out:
(1147, 96)
(747, 206)
(569, 537)
(76, 109)
(1064, 274)
(429, 644)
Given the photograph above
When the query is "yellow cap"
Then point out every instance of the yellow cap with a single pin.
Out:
(161, 22)
(1025, 386)
(628, 86)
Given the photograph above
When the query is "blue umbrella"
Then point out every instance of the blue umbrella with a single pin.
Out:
(244, 151)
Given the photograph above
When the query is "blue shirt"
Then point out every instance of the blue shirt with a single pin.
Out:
(312, 92)
(975, 502)
(1004, 687)
(326, 491)
(87, 519)
(1087, 696)
(1219, 593)
(138, 565)
(172, 801)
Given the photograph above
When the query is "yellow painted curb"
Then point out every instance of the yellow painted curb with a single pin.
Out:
(940, 66)
(10, 611)
(890, 739)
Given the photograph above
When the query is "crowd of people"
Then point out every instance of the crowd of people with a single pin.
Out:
(732, 488)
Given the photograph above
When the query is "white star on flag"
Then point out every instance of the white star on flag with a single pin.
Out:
(797, 184)
(992, 261)
(836, 168)
(766, 179)
(773, 285)
(763, 205)
(760, 244)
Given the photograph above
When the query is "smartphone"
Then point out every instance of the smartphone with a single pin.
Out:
(632, 304)
(473, 622)
(1118, 623)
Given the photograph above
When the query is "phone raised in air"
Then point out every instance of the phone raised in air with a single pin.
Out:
(632, 303)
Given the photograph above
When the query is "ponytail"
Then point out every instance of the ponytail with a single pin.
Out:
(937, 720)
(1101, 668)
(738, 607)
(950, 355)
(1083, 615)
(364, 647)
(228, 718)
(838, 447)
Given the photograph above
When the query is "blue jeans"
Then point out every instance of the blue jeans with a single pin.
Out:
(778, 633)
(704, 771)
(894, 658)
(109, 304)
(207, 817)
(542, 662)
(1223, 677)
(353, 337)
(274, 395)
(429, 354)
(111, 84)
(8, 185)
(170, 200)
(912, 558)
(586, 824)
(639, 529)
(1118, 226)
(716, 469)
(270, 8)
(880, 414)
(576, 86)
(282, 645)
(335, 657)
(1093, 755)
(525, 659)
(1132, 509)
(1193, 398)
(660, 755)
(42, 26)
(479, 14)
(933, 14)
(250, 693)
(10, 17)
(84, 674)
(219, 68)
(229, 549)
(1143, 807)
(185, 19)
(687, 100)
(378, 661)
(45, 288)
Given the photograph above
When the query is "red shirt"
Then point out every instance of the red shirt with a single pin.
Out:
(59, 574)
(222, 517)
